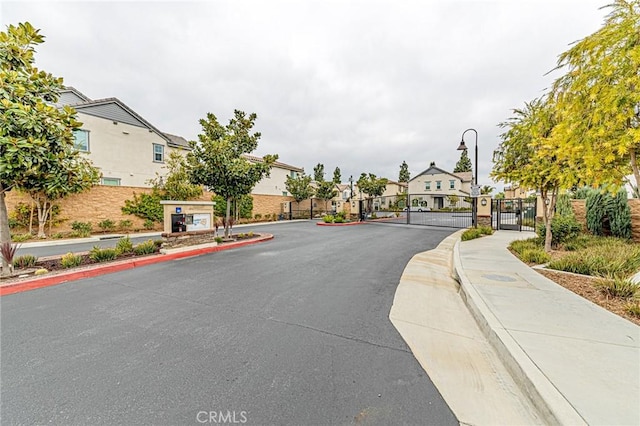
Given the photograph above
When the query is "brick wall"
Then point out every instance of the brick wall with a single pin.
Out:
(105, 202)
(579, 208)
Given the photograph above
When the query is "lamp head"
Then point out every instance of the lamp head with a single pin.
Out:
(462, 146)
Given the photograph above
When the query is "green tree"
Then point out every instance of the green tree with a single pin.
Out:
(373, 186)
(318, 172)
(486, 189)
(36, 137)
(599, 96)
(326, 191)
(175, 185)
(337, 177)
(500, 196)
(216, 160)
(403, 176)
(520, 158)
(299, 187)
(464, 164)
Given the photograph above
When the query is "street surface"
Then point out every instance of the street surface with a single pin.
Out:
(291, 331)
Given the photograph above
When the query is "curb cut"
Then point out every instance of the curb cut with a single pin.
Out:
(46, 281)
(551, 404)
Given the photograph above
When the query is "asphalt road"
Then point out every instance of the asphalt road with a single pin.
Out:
(290, 331)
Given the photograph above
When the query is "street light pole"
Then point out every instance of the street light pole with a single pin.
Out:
(474, 180)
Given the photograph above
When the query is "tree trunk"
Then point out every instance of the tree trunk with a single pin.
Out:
(548, 212)
(634, 167)
(228, 219)
(31, 218)
(5, 235)
(42, 217)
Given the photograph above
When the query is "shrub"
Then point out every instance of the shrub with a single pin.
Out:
(82, 229)
(620, 215)
(519, 246)
(612, 257)
(8, 251)
(21, 237)
(633, 308)
(218, 239)
(471, 234)
(145, 206)
(57, 236)
(102, 254)
(148, 224)
(147, 247)
(563, 228)
(607, 213)
(25, 261)
(617, 287)
(125, 224)
(485, 230)
(327, 218)
(535, 255)
(107, 225)
(124, 245)
(250, 234)
(70, 260)
(257, 216)
(338, 219)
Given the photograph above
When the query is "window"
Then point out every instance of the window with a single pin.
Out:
(452, 184)
(427, 185)
(81, 140)
(438, 184)
(158, 153)
(110, 181)
(294, 174)
(285, 193)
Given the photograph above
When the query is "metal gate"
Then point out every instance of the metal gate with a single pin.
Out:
(515, 214)
(421, 209)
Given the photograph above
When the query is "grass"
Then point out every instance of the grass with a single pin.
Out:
(102, 254)
(617, 287)
(70, 260)
(473, 233)
(25, 261)
(601, 257)
(147, 247)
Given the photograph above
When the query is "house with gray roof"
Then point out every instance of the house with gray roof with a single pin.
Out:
(128, 150)
(436, 188)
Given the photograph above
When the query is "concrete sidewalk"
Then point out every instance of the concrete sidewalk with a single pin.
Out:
(577, 362)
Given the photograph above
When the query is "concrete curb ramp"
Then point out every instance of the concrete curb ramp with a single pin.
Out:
(432, 318)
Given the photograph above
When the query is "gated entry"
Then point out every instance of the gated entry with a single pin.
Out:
(421, 209)
(514, 214)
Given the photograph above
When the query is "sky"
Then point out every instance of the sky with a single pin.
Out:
(359, 85)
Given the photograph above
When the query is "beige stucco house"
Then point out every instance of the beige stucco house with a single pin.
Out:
(127, 149)
(275, 183)
(432, 188)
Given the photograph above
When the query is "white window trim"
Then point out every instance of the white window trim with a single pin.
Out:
(88, 140)
(154, 153)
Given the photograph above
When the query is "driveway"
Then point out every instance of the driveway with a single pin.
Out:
(291, 331)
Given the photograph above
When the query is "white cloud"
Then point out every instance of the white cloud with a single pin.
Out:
(362, 85)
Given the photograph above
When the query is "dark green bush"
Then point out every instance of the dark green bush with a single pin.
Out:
(107, 225)
(620, 215)
(145, 206)
(563, 228)
(81, 229)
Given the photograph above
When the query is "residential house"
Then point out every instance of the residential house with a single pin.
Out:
(126, 148)
(275, 183)
(436, 188)
(515, 191)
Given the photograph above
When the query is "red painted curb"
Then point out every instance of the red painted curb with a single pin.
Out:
(340, 224)
(116, 267)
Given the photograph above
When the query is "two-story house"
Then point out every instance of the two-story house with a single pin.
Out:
(435, 188)
(126, 148)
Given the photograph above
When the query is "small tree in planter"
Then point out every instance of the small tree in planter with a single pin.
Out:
(8, 251)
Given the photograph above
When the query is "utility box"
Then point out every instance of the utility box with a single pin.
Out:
(184, 216)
